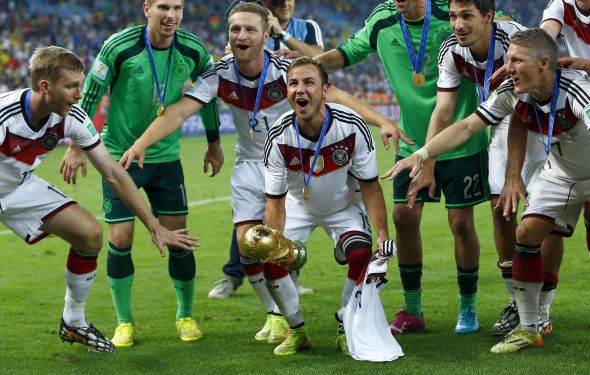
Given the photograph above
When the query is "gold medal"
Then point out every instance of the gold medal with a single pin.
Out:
(160, 109)
(418, 79)
(251, 134)
(305, 193)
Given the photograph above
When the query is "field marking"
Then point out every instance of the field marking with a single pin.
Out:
(201, 202)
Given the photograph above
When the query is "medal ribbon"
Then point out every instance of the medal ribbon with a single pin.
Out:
(161, 95)
(317, 149)
(483, 93)
(28, 106)
(252, 121)
(554, 97)
(417, 62)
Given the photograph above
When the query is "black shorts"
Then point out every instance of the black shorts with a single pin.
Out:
(464, 182)
(163, 184)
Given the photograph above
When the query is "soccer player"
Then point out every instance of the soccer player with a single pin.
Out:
(252, 82)
(554, 105)
(304, 36)
(407, 35)
(145, 68)
(476, 49)
(314, 157)
(32, 122)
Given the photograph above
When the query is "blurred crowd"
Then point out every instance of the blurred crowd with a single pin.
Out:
(83, 25)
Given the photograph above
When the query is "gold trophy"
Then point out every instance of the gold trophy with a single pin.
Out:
(267, 245)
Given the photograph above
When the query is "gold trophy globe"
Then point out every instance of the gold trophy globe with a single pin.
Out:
(267, 245)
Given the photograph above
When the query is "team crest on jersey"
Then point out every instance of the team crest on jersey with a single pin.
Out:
(49, 141)
(275, 94)
(340, 156)
(319, 163)
(180, 70)
(100, 69)
(107, 207)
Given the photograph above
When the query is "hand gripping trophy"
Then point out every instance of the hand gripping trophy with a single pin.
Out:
(267, 245)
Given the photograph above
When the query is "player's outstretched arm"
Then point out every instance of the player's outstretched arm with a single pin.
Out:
(375, 203)
(332, 59)
(370, 115)
(172, 119)
(122, 184)
(73, 159)
(451, 137)
(513, 189)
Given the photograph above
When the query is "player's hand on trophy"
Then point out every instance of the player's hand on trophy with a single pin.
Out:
(73, 159)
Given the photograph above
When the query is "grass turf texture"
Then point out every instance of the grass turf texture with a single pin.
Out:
(32, 290)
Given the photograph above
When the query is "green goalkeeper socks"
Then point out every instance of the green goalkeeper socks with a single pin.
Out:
(120, 271)
(182, 270)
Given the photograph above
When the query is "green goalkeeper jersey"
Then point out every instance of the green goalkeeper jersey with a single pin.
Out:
(124, 66)
(382, 34)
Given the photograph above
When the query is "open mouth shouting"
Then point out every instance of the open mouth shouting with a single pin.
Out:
(302, 104)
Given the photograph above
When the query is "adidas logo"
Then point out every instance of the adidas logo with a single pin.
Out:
(295, 161)
(395, 43)
(233, 96)
(138, 70)
(16, 149)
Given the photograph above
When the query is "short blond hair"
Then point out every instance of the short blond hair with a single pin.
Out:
(48, 62)
(539, 43)
(306, 60)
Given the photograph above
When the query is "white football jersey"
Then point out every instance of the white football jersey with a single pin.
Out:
(455, 61)
(347, 150)
(22, 149)
(575, 26)
(221, 81)
(570, 142)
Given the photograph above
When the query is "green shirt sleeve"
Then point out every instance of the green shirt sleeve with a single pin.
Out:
(97, 81)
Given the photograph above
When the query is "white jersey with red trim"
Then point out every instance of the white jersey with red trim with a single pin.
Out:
(221, 81)
(347, 154)
(22, 149)
(575, 26)
(570, 142)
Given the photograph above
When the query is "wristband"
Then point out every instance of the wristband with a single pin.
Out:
(422, 153)
(285, 36)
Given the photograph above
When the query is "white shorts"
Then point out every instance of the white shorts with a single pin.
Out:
(31, 205)
(300, 223)
(248, 199)
(498, 153)
(558, 199)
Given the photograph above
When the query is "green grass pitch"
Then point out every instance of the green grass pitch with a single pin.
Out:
(32, 290)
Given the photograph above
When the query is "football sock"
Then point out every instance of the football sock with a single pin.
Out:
(505, 267)
(80, 274)
(347, 291)
(527, 272)
(285, 295)
(411, 275)
(120, 272)
(257, 282)
(182, 270)
(467, 280)
(547, 295)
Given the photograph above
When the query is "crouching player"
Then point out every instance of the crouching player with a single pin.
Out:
(314, 157)
(32, 122)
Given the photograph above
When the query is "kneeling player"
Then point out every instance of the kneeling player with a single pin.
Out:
(314, 157)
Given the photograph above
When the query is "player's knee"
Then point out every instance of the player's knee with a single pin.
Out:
(91, 242)
(405, 220)
(274, 271)
(524, 235)
(460, 225)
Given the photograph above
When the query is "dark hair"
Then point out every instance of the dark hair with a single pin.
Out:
(250, 7)
(306, 60)
(483, 6)
(238, 2)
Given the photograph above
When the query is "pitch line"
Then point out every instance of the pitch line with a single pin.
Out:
(201, 202)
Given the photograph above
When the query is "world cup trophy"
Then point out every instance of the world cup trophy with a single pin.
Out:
(267, 245)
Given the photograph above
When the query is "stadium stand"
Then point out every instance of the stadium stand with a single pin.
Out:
(82, 26)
